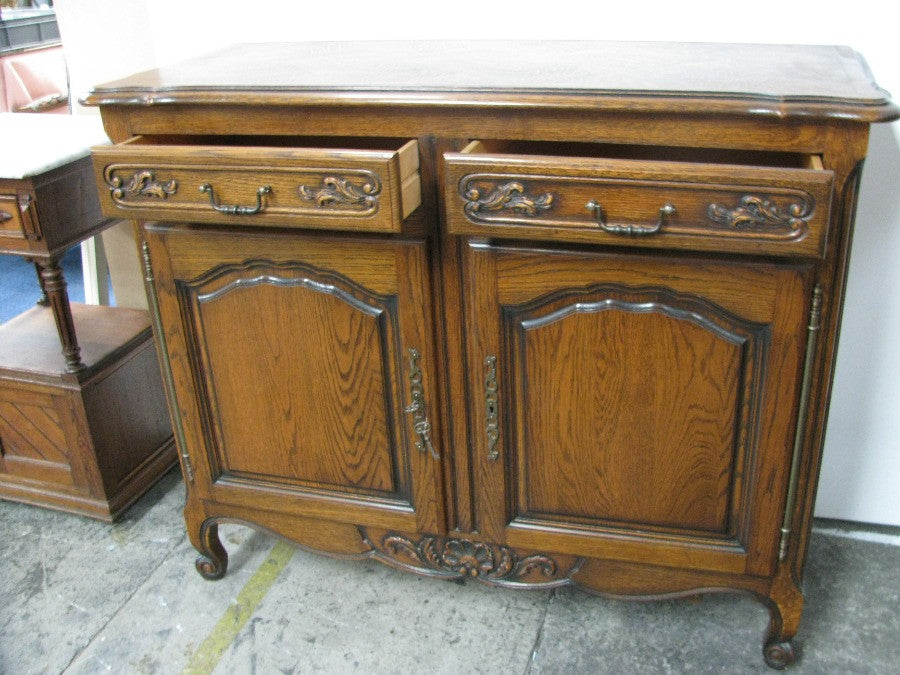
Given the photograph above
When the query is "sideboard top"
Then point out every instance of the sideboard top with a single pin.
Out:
(771, 80)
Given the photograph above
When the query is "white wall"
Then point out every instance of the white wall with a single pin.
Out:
(861, 473)
(104, 40)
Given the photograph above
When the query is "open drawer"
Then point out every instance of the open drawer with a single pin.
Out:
(699, 199)
(325, 183)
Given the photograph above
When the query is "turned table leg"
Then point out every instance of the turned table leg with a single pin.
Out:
(43, 301)
(54, 288)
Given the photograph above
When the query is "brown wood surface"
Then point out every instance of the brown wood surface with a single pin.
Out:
(756, 79)
(48, 213)
(309, 339)
(28, 342)
(83, 424)
(850, 143)
(55, 289)
(12, 225)
(637, 394)
(659, 446)
(89, 443)
(525, 195)
(56, 210)
(129, 425)
(35, 445)
(325, 377)
(164, 180)
(649, 388)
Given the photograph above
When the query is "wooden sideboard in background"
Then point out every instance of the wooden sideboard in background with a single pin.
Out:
(83, 420)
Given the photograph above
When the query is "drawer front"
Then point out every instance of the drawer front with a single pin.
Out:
(357, 190)
(729, 208)
(17, 226)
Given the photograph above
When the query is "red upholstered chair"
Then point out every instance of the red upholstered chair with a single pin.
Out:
(34, 81)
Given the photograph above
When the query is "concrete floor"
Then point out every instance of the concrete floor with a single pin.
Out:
(79, 596)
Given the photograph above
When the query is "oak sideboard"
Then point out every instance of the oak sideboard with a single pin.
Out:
(529, 313)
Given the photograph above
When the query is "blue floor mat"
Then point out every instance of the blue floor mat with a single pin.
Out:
(19, 288)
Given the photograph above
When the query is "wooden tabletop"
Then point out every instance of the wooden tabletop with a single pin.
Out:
(29, 343)
(782, 80)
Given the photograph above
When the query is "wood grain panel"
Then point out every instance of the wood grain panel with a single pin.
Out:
(310, 187)
(745, 79)
(194, 252)
(356, 279)
(628, 411)
(318, 375)
(32, 432)
(538, 272)
(700, 343)
(718, 205)
(546, 123)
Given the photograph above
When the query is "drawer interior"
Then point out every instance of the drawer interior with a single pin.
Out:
(717, 156)
(407, 150)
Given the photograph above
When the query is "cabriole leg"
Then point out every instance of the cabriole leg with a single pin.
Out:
(785, 604)
(213, 559)
(779, 654)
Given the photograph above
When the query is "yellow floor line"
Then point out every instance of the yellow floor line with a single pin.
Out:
(226, 630)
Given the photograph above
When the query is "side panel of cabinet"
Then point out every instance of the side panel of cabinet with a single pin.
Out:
(291, 358)
(644, 408)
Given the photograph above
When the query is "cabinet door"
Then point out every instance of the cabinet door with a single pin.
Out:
(634, 408)
(295, 359)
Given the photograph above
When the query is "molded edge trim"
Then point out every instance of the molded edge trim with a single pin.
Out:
(700, 103)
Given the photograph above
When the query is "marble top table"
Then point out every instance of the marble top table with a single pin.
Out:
(49, 202)
(34, 144)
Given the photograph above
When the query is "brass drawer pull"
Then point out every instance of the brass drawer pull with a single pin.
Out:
(236, 209)
(421, 425)
(491, 423)
(665, 211)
